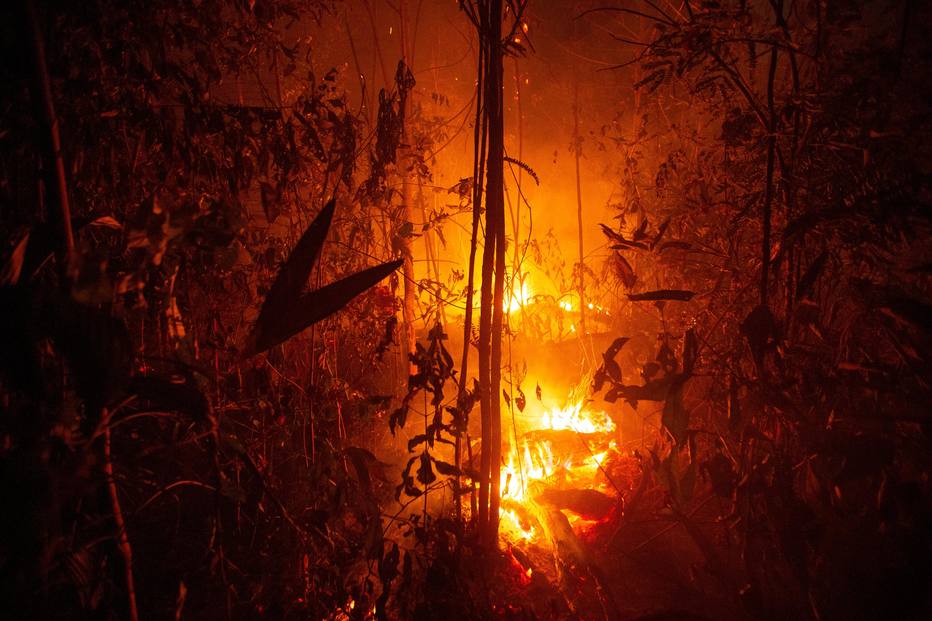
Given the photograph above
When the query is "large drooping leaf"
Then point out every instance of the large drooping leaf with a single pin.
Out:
(292, 278)
(288, 309)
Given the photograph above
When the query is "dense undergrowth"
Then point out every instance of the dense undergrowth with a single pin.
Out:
(171, 445)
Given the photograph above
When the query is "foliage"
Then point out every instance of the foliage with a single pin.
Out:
(189, 177)
(798, 412)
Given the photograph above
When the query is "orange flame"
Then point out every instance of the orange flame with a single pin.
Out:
(532, 465)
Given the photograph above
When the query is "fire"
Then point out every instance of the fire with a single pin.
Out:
(534, 464)
(518, 299)
(576, 419)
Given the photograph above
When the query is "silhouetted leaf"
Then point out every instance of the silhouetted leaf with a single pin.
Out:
(618, 240)
(293, 275)
(520, 400)
(641, 232)
(445, 468)
(660, 231)
(624, 271)
(414, 441)
(662, 294)
(674, 245)
(425, 473)
(524, 166)
(812, 274)
(309, 308)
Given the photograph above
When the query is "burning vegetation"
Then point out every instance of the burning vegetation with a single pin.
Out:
(487, 309)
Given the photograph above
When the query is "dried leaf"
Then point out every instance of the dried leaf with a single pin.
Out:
(520, 400)
(660, 232)
(624, 271)
(425, 473)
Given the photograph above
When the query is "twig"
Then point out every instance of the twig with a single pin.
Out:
(126, 549)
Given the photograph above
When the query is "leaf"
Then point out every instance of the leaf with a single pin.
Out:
(524, 166)
(615, 347)
(678, 245)
(418, 439)
(520, 400)
(446, 469)
(507, 398)
(293, 275)
(612, 235)
(679, 295)
(425, 473)
(538, 392)
(811, 275)
(106, 222)
(286, 311)
(641, 232)
(624, 271)
(610, 368)
(660, 232)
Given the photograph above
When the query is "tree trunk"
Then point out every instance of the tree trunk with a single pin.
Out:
(493, 280)
(55, 166)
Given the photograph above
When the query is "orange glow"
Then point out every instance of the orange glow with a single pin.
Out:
(518, 299)
(534, 465)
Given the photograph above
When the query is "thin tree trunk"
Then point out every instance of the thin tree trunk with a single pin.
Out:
(57, 184)
(768, 189)
(493, 283)
(577, 144)
(479, 142)
(407, 211)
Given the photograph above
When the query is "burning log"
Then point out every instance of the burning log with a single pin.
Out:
(589, 504)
